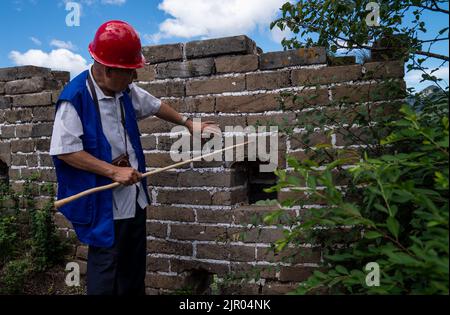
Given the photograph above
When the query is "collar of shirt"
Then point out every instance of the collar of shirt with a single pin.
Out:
(98, 90)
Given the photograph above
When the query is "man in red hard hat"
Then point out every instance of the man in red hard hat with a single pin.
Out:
(95, 142)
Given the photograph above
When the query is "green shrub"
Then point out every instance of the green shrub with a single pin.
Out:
(29, 243)
(394, 211)
(14, 275)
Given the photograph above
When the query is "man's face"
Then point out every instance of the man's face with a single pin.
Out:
(117, 80)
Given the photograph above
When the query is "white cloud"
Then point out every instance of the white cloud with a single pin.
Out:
(36, 41)
(62, 44)
(214, 18)
(277, 35)
(414, 77)
(59, 59)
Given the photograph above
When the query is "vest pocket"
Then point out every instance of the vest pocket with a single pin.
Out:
(80, 211)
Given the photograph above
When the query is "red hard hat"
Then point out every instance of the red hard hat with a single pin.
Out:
(117, 44)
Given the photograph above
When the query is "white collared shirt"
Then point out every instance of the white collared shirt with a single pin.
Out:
(68, 128)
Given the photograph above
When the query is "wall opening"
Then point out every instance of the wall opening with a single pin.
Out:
(4, 174)
(256, 181)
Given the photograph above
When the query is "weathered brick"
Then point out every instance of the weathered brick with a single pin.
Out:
(170, 213)
(5, 102)
(230, 197)
(302, 56)
(289, 255)
(32, 85)
(200, 104)
(62, 76)
(24, 160)
(43, 114)
(305, 98)
(163, 179)
(157, 229)
(198, 232)
(181, 265)
(248, 271)
(42, 130)
(7, 132)
(196, 179)
(181, 197)
(220, 46)
(215, 85)
(369, 92)
(154, 125)
(15, 174)
(164, 281)
(24, 131)
(2, 87)
(234, 64)
(24, 146)
(268, 81)
(164, 89)
(326, 75)
(176, 103)
(247, 103)
(295, 273)
(18, 115)
(159, 160)
(384, 70)
(354, 136)
(16, 73)
(185, 69)
(157, 264)
(35, 99)
(299, 141)
(287, 118)
(229, 120)
(148, 142)
(46, 160)
(226, 252)
(5, 152)
(162, 53)
(169, 247)
(43, 144)
(213, 216)
(165, 143)
(254, 214)
(82, 252)
(256, 234)
(45, 175)
(61, 221)
(147, 73)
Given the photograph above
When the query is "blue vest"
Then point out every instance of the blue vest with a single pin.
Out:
(92, 215)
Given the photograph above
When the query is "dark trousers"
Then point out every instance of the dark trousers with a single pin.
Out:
(120, 269)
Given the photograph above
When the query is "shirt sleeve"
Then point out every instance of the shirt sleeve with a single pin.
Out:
(67, 130)
(144, 103)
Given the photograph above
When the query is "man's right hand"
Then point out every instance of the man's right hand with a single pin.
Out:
(126, 175)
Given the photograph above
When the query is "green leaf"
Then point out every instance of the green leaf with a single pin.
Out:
(393, 226)
(372, 235)
(342, 270)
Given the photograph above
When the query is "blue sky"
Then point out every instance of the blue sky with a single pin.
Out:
(35, 31)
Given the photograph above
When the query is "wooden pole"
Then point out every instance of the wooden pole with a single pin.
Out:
(62, 202)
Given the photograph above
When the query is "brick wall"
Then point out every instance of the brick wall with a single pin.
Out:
(199, 221)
